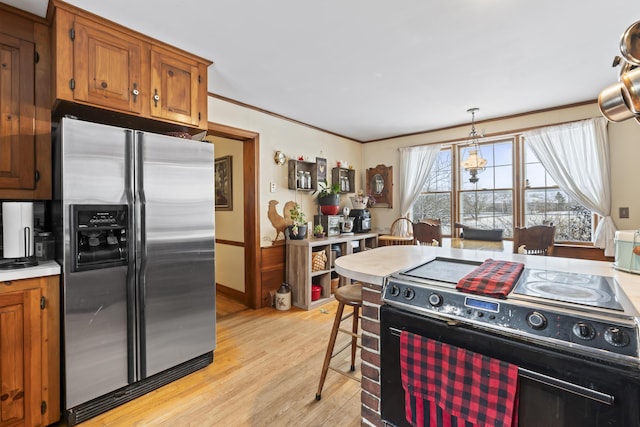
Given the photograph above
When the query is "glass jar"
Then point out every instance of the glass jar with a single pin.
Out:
(300, 179)
(44, 246)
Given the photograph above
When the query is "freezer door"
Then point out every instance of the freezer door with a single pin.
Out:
(174, 182)
(95, 334)
(94, 163)
(93, 171)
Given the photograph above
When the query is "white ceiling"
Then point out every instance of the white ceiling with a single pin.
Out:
(371, 69)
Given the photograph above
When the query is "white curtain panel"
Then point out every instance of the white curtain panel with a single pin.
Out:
(576, 155)
(415, 165)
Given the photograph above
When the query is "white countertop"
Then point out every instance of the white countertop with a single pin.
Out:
(374, 265)
(44, 268)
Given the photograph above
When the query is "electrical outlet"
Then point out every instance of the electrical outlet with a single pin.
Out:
(623, 212)
(272, 187)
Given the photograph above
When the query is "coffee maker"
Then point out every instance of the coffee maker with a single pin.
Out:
(361, 220)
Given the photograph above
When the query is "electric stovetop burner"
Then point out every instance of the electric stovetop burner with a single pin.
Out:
(577, 288)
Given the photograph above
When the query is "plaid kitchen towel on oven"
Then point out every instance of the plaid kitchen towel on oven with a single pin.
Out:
(449, 386)
(492, 278)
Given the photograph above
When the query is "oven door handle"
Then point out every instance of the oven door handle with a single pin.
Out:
(607, 399)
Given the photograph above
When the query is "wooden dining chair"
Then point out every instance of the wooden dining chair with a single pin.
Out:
(428, 232)
(534, 240)
(403, 228)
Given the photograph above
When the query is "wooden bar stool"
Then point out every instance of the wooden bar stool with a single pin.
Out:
(346, 295)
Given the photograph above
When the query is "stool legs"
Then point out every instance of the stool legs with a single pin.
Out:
(354, 336)
(332, 343)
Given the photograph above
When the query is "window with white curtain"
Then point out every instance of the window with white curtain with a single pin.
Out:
(490, 203)
(545, 201)
(435, 200)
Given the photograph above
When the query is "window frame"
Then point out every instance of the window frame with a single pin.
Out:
(518, 188)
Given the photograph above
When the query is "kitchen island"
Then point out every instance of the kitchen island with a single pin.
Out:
(373, 267)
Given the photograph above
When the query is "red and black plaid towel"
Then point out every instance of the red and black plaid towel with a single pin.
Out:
(493, 278)
(450, 386)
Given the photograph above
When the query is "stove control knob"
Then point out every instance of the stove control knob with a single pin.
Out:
(584, 331)
(435, 300)
(537, 320)
(395, 290)
(616, 337)
(408, 294)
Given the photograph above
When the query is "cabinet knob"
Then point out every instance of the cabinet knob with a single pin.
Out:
(104, 85)
(156, 97)
(135, 92)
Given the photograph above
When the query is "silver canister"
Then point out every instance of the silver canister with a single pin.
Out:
(45, 246)
(614, 103)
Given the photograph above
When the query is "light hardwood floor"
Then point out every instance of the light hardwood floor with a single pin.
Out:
(265, 372)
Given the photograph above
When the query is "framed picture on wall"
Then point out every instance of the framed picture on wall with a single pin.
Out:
(223, 184)
(321, 166)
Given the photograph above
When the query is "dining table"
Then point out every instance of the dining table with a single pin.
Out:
(483, 245)
(390, 240)
(452, 242)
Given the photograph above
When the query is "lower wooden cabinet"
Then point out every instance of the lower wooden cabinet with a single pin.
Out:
(272, 264)
(30, 352)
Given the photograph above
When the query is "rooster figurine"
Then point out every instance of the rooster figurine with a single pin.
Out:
(280, 223)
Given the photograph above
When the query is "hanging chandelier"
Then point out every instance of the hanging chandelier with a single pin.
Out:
(474, 163)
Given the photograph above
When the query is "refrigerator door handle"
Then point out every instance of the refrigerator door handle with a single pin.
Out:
(141, 254)
(133, 368)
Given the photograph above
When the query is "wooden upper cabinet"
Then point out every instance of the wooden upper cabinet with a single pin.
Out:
(17, 114)
(103, 64)
(107, 67)
(175, 87)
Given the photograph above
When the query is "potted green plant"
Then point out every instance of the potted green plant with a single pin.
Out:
(318, 231)
(298, 228)
(329, 198)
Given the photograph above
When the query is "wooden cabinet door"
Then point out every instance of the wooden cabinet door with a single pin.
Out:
(20, 358)
(175, 87)
(17, 114)
(107, 67)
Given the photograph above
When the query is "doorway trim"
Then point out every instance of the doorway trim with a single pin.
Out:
(251, 173)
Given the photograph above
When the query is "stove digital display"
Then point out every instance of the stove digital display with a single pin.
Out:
(484, 305)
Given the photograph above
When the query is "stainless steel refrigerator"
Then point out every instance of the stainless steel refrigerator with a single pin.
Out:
(134, 219)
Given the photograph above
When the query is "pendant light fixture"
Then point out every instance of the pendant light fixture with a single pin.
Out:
(474, 163)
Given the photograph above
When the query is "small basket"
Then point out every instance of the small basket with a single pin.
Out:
(318, 261)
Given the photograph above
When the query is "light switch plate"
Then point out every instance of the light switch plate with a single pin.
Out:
(623, 212)
(272, 187)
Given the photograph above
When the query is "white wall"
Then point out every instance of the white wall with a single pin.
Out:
(230, 271)
(294, 140)
(624, 141)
